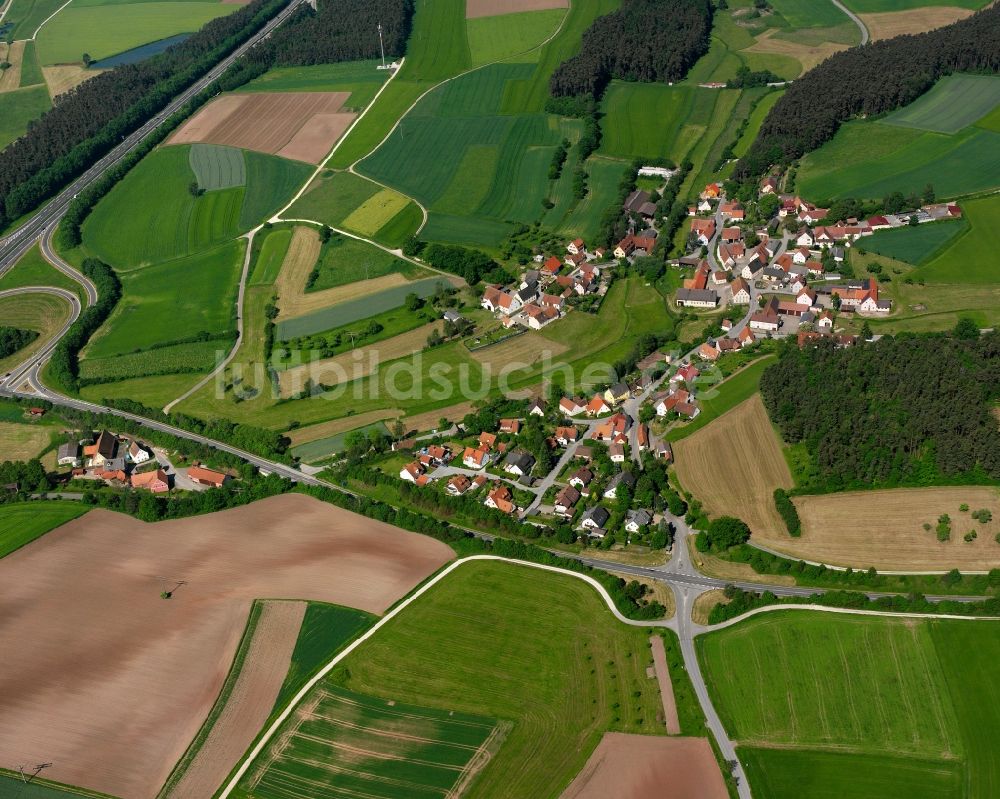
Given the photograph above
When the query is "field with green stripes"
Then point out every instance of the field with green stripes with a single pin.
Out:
(827, 705)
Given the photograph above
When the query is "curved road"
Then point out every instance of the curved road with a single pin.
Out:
(855, 19)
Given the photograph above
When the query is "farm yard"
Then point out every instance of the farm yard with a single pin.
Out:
(136, 720)
(738, 450)
(907, 725)
(515, 624)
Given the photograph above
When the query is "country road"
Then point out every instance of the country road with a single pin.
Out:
(855, 19)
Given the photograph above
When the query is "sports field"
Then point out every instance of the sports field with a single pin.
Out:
(859, 706)
(740, 451)
(955, 102)
(23, 522)
(915, 245)
(547, 641)
(963, 261)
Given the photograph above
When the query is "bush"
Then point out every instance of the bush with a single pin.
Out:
(789, 513)
(726, 532)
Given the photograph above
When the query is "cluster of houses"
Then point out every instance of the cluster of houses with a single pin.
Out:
(540, 297)
(121, 461)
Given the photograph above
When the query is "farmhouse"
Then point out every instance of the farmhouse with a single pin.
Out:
(156, 482)
(597, 406)
(766, 320)
(617, 393)
(101, 450)
(68, 454)
(565, 500)
(613, 428)
(634, 202)
(703, 230)
(741, 291)
(697, 298)
(571, 407)
(137, 453)
(207, 477)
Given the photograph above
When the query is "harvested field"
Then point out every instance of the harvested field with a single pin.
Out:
(889, 24)
(21, 442)
(807, 55)
(299, 125)
(254, 693)
(647, 767)
(315, 432)
(429, 419)
(494, 8)
(299, 261)
(117, 681)
(885, 529)
(60, 79)
(10, 78)
(524, 350)
(666, 687)
(355, 364)
(733, 466)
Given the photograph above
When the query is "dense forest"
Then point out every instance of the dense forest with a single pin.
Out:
(868, 81)
(910, 410)
(88, 121)
(342, 30)
(13, 339)
(645, 40)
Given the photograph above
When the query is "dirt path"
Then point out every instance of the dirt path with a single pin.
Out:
(666, 687)
(253, 695)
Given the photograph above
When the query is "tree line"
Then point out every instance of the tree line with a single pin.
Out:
(909, 410)
(868, 81)
(644, 40)
(472, 265)
(13, 339)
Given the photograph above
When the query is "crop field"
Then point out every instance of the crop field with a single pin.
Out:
(836, 706)
(105, 30)
(153, 392)
(741, 451)
(173, 300)
(375, 212)
(332, 196)
(20, 441)
(327, 430)
(197, 356)
(43, 313)
(492, 38)
(352, 311)
(476, 9)
(72, 691)
(893, 536)
(877, 6)
(18, 108)
(809, 14)
(890, 24)
(344, 260)
(546, 640)
(27, 15)
(343, 742)
(915, 245)
(299, 125)
(360, 78)
(644, 119)
(271, 182)
(807, 54)
(31, 72)
(218, 167)
(955, 102)
(584, 218)
(11, 54)
(271, 256)
(963, 261)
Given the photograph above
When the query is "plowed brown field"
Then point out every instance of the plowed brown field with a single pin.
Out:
(300, 125)
(493, 8)
(109, 682)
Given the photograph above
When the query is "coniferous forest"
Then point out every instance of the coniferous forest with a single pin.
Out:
(645, 40)
(909, 410)
(868, 81)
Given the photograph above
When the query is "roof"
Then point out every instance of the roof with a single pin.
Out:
(71, 449)
(147, 479)
(106, 444)
(622, 477)
(597, 515)
(697, 295)
(639, 516)
(567, 496)
(521, 459)
(583, 474)
(201, 474)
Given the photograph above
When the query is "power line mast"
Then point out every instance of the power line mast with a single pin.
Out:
(381, 46)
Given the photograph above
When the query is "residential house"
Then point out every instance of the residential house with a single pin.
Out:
(137, 453)
(597, 406)
(726, 325)
(554, 301)
(613, 428)
(703, 230)
(805, 238)
(487, 440)
(642, 437)
(741, 292)
(806, 297)
(731, 235)
(636, 520)
(68, 454)
(452, 316)
(712, 191)
(616, 452)
(207, 477)
(730, 253)
(719, 278)
(709, 351)
(475, 458)
(537, 407)
(566, 435)
(458, 485)
(594, 519)
(746, 337)
(685, 374)
(617, 393)
(576, 247)
(571, 407)
(156, 481)
(501, 498)
(732, 210)
(825, 322)
(621, 479)
(766, 320)
(510, 426)
(752, 270)
(552, 266)
(581, 480)
(538, 317)
(574, 261)
(519, 463)
(411, 472)
(663, 451)
(565, 501)
(768, 185)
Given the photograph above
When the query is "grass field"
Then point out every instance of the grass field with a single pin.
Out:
(955, 102)
(495, 38)
(741, 451)
(27, 15)
(20, 441)
(12, 785)
(546, 640)
(645, 119)
(43, 313)
(809, 14)
(344, 260)
(963, 261)
(878, 6)
(109, 29)
(320, 448)
(23, 522)
(154, 392)
(915, 245)
(199, 356)
(34, 270)
(756, 119)
(360, 78)
(18, 108)
(271, 256)
(837, 706)
(216, 166)
(173, 300)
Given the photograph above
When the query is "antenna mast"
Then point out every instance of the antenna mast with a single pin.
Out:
(381, 45)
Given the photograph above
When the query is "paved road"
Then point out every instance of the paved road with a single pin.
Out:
(16, 377)
(855, 19)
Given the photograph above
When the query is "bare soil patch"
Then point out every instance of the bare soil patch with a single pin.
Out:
(314, 432)
(10, 78)
(666, 687)
(303, 252)
(733, 466)
(301, 125)
(60, 79)
(649, 767)
(117, 681)
(888, 24)
(358, 363)
(807, 55)
(494, 8)
(884, 529)
(253, 695)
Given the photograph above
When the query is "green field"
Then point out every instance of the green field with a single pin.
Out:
(877, 6)
(360, 78)
(809, 13)
(345, 260)
(321, 448)
(27, 15)
(495, 38)
(173, 300)
(859, 706)
(31, 72)
(345, 313)
(271, 256)
(914, 245)
(546, 641)
(20, 107)
(218, 167)
(154, 392)
(755, 120)
(13, 786)
(194, 357)
(107, 30)
(644, 119)
(955, 102)
(964, 261)
(23, 522)
(151, 216)
(33, 270)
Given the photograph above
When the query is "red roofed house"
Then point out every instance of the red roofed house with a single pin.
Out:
(458, 485)
(500, 498)
(703, 230)
(512, 426)
(157, 482)
(685, 374)
(207, 477)
(411, 472)
(487, 440)
(597, 406)
(475, 458)
(741, 292)
(576, 247)
(571, 407)
(712, 191)
(552, 266)
(709, 351)
(730, 235)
